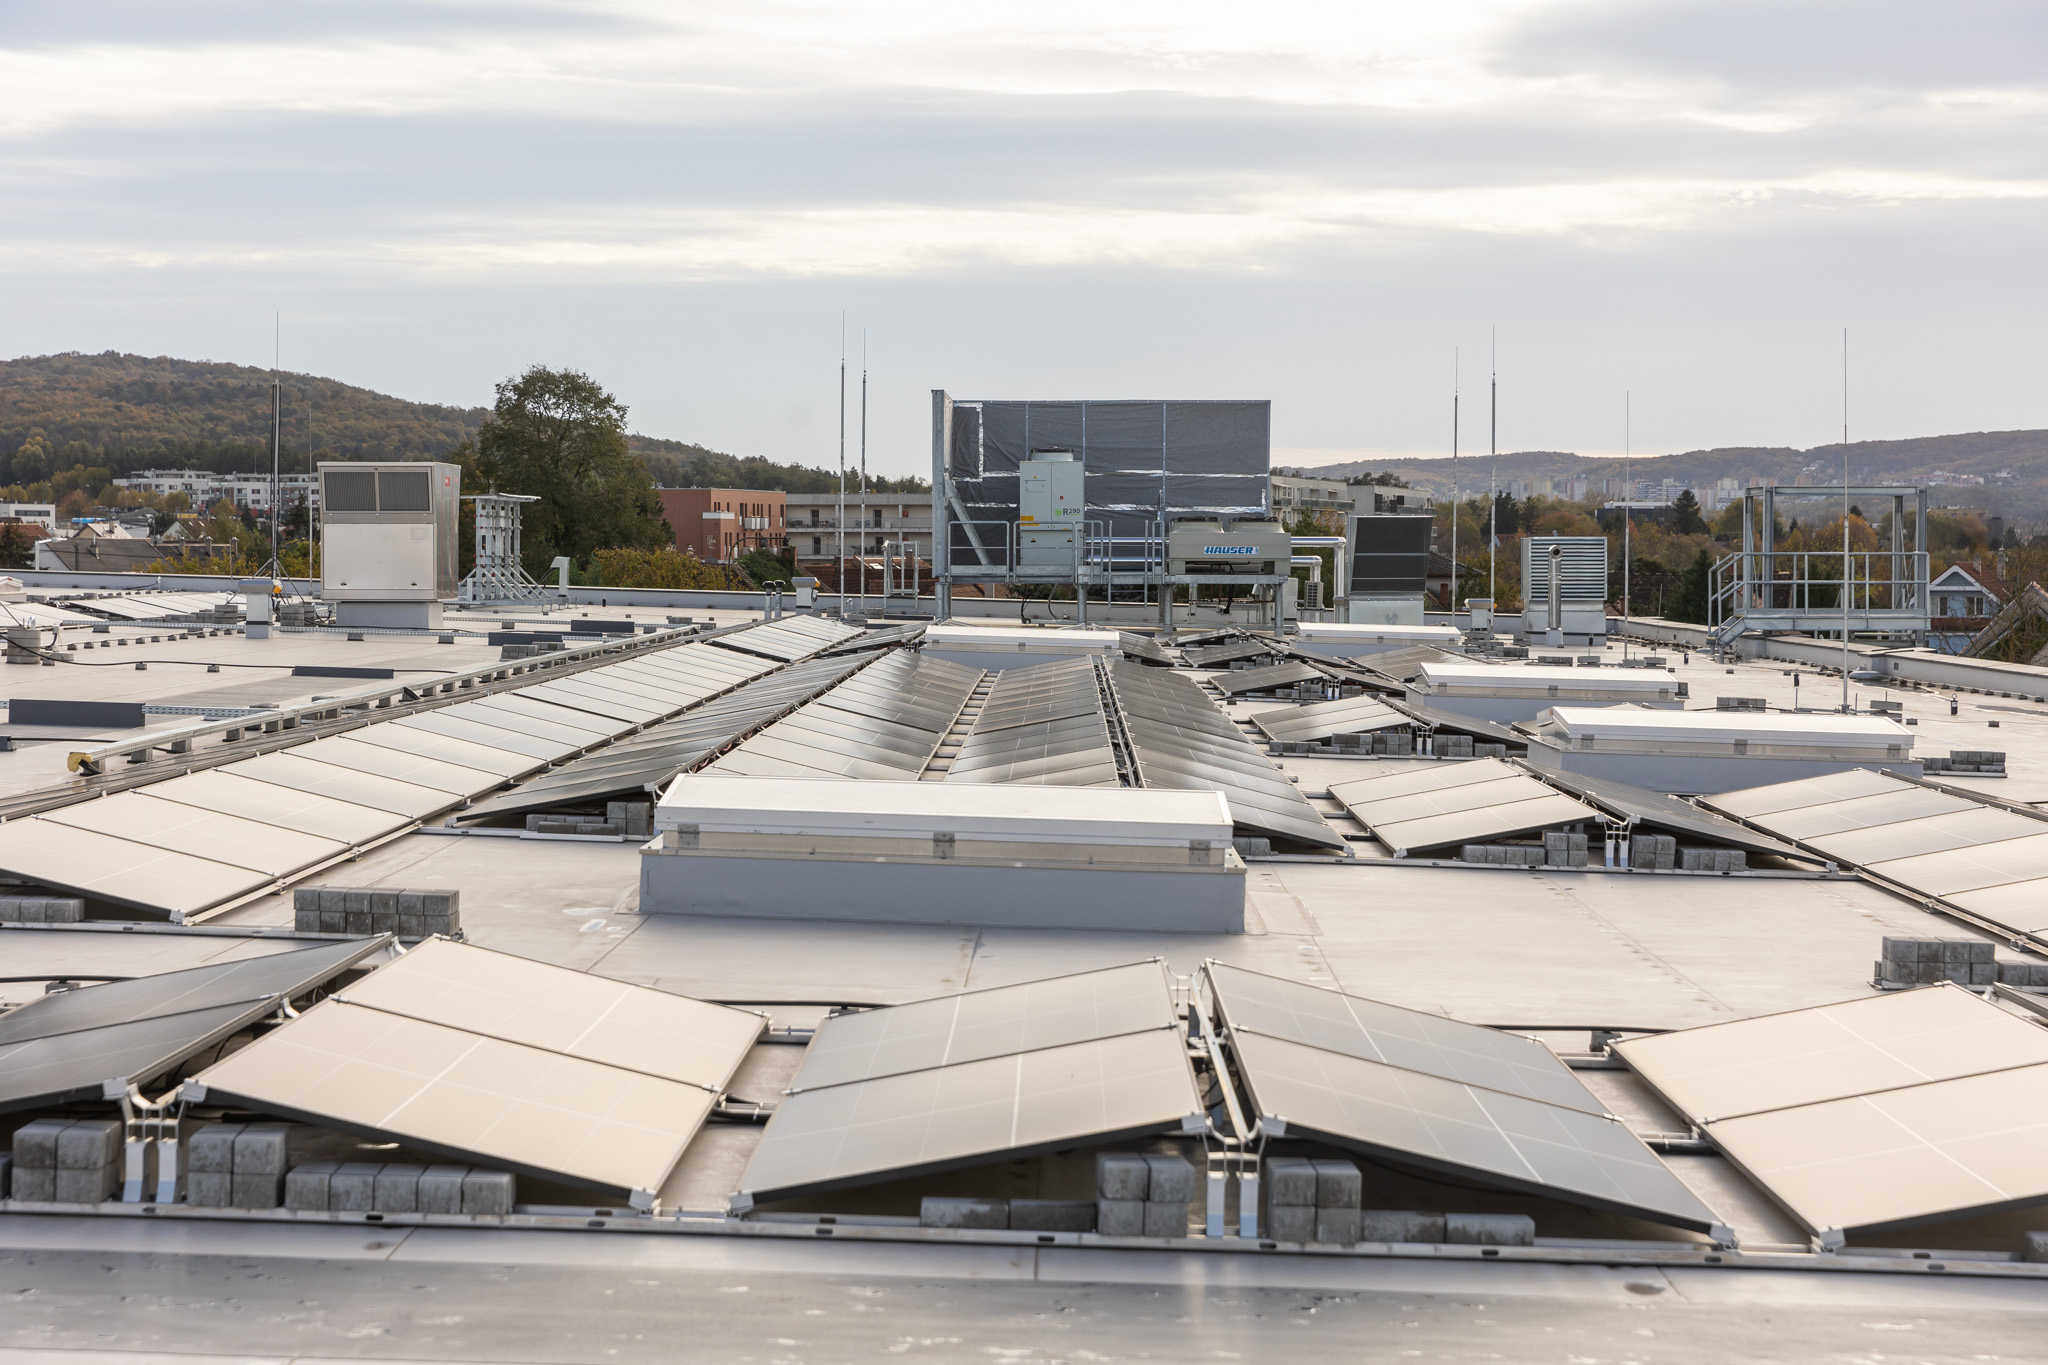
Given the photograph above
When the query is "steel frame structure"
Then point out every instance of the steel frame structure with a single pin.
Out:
(1761, 588)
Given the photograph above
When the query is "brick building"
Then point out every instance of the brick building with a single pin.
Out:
(720, 524)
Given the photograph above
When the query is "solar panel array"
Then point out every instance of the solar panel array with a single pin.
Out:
(64, 1047)
(1988, 862)
(1877, 1113)
(1402, 665)
(205, 841)
(155, 606)
(1215, 656)
(1143, 647)
(649, 760)
(884, 723)
(1179, 739)
(1446, 1096)
(791, 638)
(979, 1077)
(1640, 805)
(1289, 673)
(1428, 805)
(485, 1056)
(1044, 725)
(1322, 719)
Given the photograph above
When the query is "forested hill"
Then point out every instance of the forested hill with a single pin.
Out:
(125, 412)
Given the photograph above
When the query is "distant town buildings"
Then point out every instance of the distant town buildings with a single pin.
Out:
(718, 525)
(248, 492)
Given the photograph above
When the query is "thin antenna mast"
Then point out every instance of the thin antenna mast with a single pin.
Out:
(1627, 514)
(842, 466)
(1845, 521)
(1453, 603)
(864, 469)
(276, 433)
(1493, 456)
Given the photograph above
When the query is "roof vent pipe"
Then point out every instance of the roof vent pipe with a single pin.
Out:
(1556, 602)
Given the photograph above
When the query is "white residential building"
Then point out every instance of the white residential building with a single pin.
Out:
(205, 488)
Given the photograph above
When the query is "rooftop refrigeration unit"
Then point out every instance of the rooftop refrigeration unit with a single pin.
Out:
(388, 541)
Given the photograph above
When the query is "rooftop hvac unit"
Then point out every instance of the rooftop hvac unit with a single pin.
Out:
(1581, 584)
(388, 541)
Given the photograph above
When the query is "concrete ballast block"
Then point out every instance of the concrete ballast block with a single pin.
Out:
(1338, 1185)
(1166, 1218)
(89, 1145)
(1120, 1217)
(210, 1189)
(397, 1189)
(259, 1190)
(263, 1149)
(87, 1186)
(1290, 1222)
(1490, 1229)
(1400, 1225)
(1052, 1215)
(1122, 1176)
(211, 1149)
(488, 1192)
(305, 1186)
(1340, 1226)
(440, 1189)
(353, 1187)
(1289, 1182)
(1173, 1180)
(953, 1212)
(35, 1144)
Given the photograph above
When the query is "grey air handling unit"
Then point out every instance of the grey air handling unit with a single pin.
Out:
(1389, 568)
(1145, 464)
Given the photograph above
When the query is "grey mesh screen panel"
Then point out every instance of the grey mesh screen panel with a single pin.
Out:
(224, 790)
(1721, 1071)
(404, 490)
(1390, 554)
(1940, 1150)
(463, 1094)
(1322, 719)
(1253, 1002)
(139, 817)
(245, 981)
(977, 1025)
(1105, 1090)
(1145, 460)
(348, 490)
(65, 1067)
(120, 870)
(1442, 1125)
(561, 1010)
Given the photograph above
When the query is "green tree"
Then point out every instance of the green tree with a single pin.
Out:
(556, 434)
(1685, 515)
(1689, 603)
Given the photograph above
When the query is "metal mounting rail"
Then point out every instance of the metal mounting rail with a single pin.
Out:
(180, 740)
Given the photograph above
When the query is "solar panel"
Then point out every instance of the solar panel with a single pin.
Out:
(419, 770)
(1179, 739)
(1253, 1002)
(226, 791)
(525, 741)
(976, 1025)
(1957, 829)
(1142, 647)
(140, 817)
(467, 1096)
(1745, 1066)
(1040, 724)
(107, 868)
(598, 701)
(1752, 802)
(66, 1067)
(499, 762)
(2021, 905)
(1639, 805)
(1322, 719)
(1863, 812)
(244, 981)
(1971, 869)
(292, 769)
(1230, 653)
(1461, 1130)
(1100, 1091)
(1287, 674)
(1431, 804)
(560, 1010)
(883, 723)
(542, 717)
(1870, 1163)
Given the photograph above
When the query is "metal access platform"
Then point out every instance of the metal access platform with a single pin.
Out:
(1762, 589)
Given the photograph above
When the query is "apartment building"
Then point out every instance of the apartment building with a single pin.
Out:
(721, 524)
(248, 492)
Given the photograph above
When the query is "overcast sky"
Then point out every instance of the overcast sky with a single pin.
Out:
(1313, 203)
